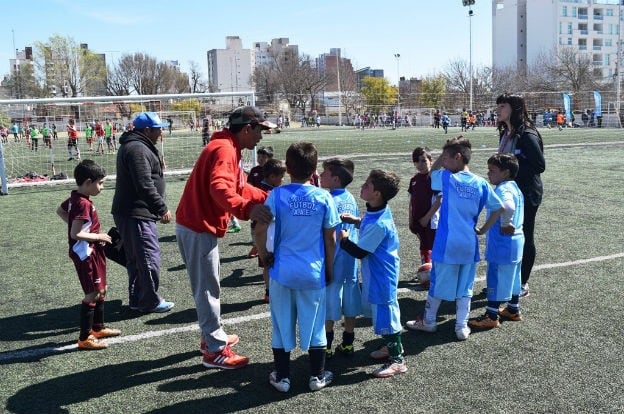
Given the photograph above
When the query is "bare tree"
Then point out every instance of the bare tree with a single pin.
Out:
(196, 78)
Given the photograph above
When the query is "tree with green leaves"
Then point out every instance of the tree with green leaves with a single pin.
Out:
(378, 94)
(433, 90)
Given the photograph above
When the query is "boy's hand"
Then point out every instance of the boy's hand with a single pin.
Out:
(344, 234)
(104, 238)
(478, 231)
(424, 222)
(349, 218)
(267, 258)
(509, 230)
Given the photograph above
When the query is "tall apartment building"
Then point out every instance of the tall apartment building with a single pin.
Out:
(229, 69)
(327, 65)
(522, 30)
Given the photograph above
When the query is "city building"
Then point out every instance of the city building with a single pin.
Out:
(230, 69)
(367, 72)
(522, 30)
(327, 65)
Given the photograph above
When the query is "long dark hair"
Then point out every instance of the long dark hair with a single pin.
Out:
(519, 118)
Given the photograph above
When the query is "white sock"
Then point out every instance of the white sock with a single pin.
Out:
(431, 310)
(462, 311)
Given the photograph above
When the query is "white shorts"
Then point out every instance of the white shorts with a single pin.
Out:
(503, 281)
(452, 281)
(290, 307)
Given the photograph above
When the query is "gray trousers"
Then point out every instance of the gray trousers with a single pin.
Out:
(200, 253)
(140, 242)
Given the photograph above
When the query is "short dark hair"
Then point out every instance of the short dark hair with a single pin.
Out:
(386, 182)
(88, 169)
(418, 151)
(341, 168)
(301, 160)
(273, 167)
(505, 162)
(459, 145)
(268, 151)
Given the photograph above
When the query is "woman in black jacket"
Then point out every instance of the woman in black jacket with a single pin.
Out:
(519, 136)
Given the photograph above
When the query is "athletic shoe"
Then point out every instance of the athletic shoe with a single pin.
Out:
(380, 353)
(253, 252)
(282, 385)
(328, 353)
(462, 333)
(162, 307)
(390, 369)
(91, 344)
(507, 314)
(106, 333)
(419, 325)
(346, 350)
(231, 341)
(317, 383)
(225, 359)
(484, 322)
(524, 290)
(234, 229)
(266, 298)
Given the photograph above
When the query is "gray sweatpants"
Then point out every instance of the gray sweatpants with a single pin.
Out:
(200, 253)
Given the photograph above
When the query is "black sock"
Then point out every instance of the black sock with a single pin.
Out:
(330, 338)
(86, 320)
(282, 363)
(347, 338)
(317, 361)
(98, 316)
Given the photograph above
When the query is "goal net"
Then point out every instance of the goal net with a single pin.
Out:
(47, 160)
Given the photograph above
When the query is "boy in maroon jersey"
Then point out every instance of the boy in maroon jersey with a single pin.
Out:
(86, 249)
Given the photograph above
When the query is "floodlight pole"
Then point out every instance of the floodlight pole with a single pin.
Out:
(398, 56)
(470, 3)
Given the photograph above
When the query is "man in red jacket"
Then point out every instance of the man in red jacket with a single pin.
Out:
(216, 189)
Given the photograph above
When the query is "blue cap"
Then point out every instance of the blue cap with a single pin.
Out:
(148, 120)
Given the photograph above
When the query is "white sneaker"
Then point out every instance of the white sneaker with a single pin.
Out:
(282, 385)
(317, 383)
(462, 333)
(419, 325)
(390, 370)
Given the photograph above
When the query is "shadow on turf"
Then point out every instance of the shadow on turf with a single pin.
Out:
(59, 321)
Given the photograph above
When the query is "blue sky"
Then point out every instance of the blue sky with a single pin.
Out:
(426, 33)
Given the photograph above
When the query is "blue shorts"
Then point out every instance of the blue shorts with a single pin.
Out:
(503, 281)
(387, 318)
(290, 307)
(452, 281)
(343, 298)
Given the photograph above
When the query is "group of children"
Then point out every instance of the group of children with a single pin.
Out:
(102, 132)
(309, 252)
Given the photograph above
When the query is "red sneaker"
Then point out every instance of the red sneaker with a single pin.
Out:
(224, 359)
(231, 341)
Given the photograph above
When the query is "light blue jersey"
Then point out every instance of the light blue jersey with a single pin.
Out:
(464, 195)
(345, 265)
(380, 268)
(301, 213)
(501, 248)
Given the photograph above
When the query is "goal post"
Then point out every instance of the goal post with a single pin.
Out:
(41, 161)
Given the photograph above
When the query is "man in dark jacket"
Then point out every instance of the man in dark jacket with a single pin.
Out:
(138, 203)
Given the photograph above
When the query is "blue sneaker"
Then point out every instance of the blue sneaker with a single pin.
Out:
(162, 307)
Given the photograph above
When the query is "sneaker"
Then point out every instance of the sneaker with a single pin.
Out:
(524, 290)
(484, 322)
(317, 383)
(419, 325)
(282, 385)
(253, 252)
(346, 350)
(106, 333)
(91, 344)
(462, 333)
(234, 229)
(266, 298)
(225, 359)
(162, 307)
(390, 369)
(380, 353)
(328, 353)
(231, 341)
(507, 314)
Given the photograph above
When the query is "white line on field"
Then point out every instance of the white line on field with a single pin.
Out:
(38, 352)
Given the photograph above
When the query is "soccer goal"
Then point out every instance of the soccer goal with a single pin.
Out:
(43, 161)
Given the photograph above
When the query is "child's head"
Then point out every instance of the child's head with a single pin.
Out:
(264, 154)
(301, 160)
(421, 157)
(456, 153)
(502, 167)
(89, 177)
(273, 171)
(380, 187)
(337, 173)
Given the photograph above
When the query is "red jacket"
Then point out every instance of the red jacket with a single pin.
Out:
(217, 188)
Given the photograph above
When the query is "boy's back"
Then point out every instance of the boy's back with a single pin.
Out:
(345, 265)
(301, 213)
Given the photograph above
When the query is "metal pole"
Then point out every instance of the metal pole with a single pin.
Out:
(339, 91)
(398, 56)
(618, 66)
(471, 77)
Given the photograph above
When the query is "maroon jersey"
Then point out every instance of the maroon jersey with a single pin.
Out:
(420, 200)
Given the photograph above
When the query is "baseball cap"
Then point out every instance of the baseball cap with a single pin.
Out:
(148, 120)
(249, 115)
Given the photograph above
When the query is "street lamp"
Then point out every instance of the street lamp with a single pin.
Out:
(470, 3)
(398, 56)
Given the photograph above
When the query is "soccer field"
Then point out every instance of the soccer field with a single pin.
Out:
(565, 356)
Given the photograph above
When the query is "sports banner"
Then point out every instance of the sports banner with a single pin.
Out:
(598, 101)
(567, 106)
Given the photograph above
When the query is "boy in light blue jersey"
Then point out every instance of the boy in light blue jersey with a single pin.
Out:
(505, 243)
(456, 247)
(378, 248)
(300, 266)
(343, 293)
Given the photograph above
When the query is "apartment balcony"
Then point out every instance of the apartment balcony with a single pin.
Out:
(596, 47)
(583, 17)
(582, 47)
(598, 17)
(597, 62)
(584, 32)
